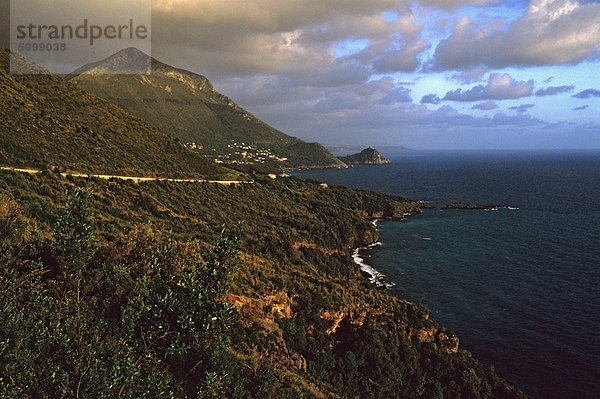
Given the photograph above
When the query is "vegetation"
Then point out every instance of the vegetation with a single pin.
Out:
(368, 156)
(47, 121)
(186, 106)
(120, 293)
(117, 289)
(145, 317)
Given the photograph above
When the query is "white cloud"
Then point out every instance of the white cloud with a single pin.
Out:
(498, 87)
(551, 32)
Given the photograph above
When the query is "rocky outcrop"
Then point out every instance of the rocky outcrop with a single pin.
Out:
(264, 310)
(368, 156)
(446, 340)
(356, 318)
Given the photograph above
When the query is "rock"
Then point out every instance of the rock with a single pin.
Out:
(368, 156)
(448, 341)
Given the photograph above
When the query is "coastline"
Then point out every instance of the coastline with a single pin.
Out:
(375, 276)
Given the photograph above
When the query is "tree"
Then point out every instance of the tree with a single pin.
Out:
(146, 319)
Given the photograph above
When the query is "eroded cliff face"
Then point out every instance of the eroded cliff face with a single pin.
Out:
(356, 318)
(263, 311)
(367, 236)
(262, 315)
(447, 341)
(269, 318)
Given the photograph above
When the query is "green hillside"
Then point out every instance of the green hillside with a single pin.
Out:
(47, 121)
(187, 106)
(116, 289)
(131, 290)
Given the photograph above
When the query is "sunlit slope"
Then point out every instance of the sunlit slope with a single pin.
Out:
(187, 106)
(45, 120)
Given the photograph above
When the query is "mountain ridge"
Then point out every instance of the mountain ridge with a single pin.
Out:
(186, 105)
(47, 121)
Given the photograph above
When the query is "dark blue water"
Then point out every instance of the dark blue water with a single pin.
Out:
(521, 287)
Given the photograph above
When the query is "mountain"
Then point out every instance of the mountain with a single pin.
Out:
(187, 106)
(45, 120)
(368, 156)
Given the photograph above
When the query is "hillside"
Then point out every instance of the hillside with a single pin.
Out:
(46, 121)
(115, 288)
(131, 293)
(186, 106)
(368, 156)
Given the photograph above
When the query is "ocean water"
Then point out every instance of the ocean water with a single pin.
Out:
(520, 287)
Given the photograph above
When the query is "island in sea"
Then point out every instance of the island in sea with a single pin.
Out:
(368, 156)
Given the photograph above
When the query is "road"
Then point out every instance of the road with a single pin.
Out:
(136, 179)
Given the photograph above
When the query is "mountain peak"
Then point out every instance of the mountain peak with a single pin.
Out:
(131, 52)
(185, 105)
(129, 61)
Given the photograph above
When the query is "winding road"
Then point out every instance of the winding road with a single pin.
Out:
(136, 179)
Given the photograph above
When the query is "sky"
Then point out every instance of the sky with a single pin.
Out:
(427, 74)
(423, 74)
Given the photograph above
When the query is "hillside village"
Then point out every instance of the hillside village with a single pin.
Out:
(240, 154)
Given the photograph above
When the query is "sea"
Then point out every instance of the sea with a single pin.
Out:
(519, 284)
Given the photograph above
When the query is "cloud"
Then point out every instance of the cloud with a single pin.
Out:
(353, 99)
(554, 90)
(581, 108)
(589, 93)
(486, 106)
(453, 4)
(521, 109)
(498, 87)
(431, 99)
(551, 32)
(294, 38)
(377, 112)
(398, 51)
(471, 75)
